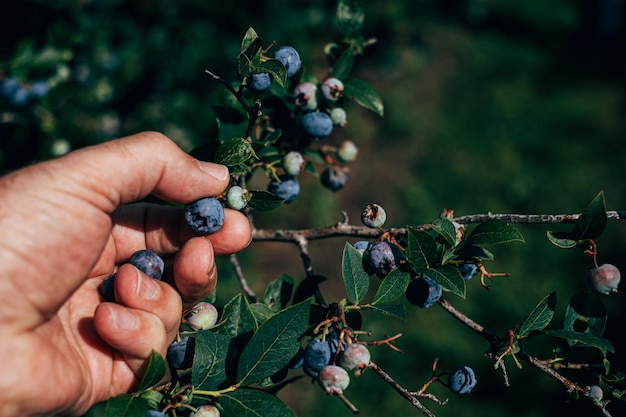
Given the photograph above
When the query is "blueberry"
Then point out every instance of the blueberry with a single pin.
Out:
(468, 270)
(286, 187)
(9, 87)
(462, 380)
(362, 245)
(332, 89)
(333, 178)
(148, 262)
(180, 354)
(290, 59)
(21, 97)
(604, 279)
(260, 81)
(381, 258)
(355, 357)
(339, 117)
(237, 197)
(305, 96)
(206, 410)
(347, 151)
(107, 289)
(298, 360)
(334, 379)
(154, 413)
(317, 355)
(423, 292)
(203, 316)
(204, 216)
(317, 125)
(373, 216)
(293, 163)
(39, 88)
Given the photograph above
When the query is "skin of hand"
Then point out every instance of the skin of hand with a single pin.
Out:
(65, 225)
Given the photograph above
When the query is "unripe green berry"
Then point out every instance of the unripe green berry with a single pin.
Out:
(373, 216)
(339, 116)
(203, 316)
(206, 410)
(334, 379)
(293, 163)
(237, 197)
(347, 151)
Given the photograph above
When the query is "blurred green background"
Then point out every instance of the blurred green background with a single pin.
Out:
(490, 106)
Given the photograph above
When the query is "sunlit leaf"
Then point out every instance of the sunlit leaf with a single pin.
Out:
(208, 370)
(393, 286)
(355, 278)
(154, 372)
(253, 403)
(540, 317)
(422, 250)
(592, 220)
(449, 278)
(363, 94)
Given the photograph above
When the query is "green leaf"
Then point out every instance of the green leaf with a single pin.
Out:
(592, 220)
(250, 54)
(492, 232)
(563, 240)
(154, 372)
(585, 313)
(585, 339)
(275, 68)
(152, 397)
(540, 317)
(261, 312)
(392, 287)
(355, 278)
(422, 250)
(264, 201)
(278, 292)
(237, 318)
(449, 278)
(126, 405)
(273, 345)
(209, 361)
(350, 17)
(250, 37)
(394, 310)
(363, 94)
(234, 151)
(343, 65)
(253, 403)
(445, 228)
(474, 252)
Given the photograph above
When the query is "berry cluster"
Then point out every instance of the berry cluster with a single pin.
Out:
(21, 94)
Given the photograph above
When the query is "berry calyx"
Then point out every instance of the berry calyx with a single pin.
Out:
(373, 216)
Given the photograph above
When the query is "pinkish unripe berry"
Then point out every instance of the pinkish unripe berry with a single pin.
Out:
(305, 95)
(203, 316)
(347, 151)
(355, 357)
(604, 279)
(334, 379)
(595, 393)
(332, 89)
(206, 411)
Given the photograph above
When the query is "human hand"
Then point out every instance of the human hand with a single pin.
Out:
(64, 227)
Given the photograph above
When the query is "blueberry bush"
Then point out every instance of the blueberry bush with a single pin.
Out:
(275, 114)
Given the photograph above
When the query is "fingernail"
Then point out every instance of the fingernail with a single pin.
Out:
(217, 171)
(147, 288)
(123, 319)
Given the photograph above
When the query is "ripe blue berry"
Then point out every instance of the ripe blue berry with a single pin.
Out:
(180, 354)
(107, 289)
(468, 270)
(148, 262)
(293, 163)
(317, 355)
(317, 125)
(355, 357)
(423, 292)
(305, 96)
(237, 197)
(333, 178)
(332, 89)
(462, 380)
(203, 316)
(334, 379)
(290, 59)
(260, 81)
(362, 245)
(381, 258)
(287, 187)
(39, 88)
(604, 279)
(204, 216)
(374, 216)
(154, 413)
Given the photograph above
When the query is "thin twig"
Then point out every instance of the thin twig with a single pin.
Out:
(252, 298)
